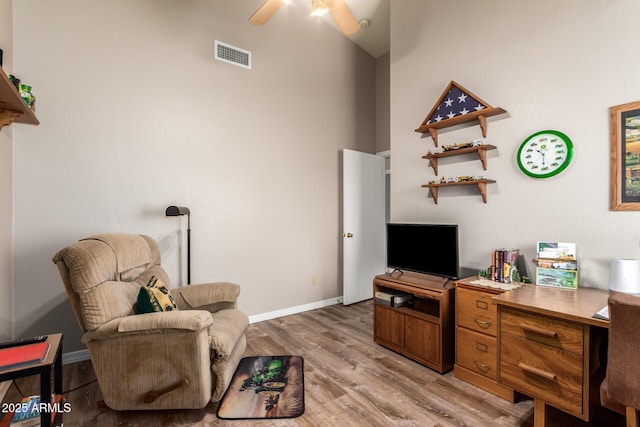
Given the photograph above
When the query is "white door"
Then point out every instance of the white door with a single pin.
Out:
(363, 205)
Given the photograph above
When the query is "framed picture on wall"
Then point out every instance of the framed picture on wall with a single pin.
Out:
(625, 157)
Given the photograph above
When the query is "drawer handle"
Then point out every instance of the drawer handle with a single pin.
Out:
(483, 323)
(482, 305)
(539, 331)
(536, 371)
(482, 366)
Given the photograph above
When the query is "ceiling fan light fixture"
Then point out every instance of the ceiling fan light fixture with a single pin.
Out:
(319, 8)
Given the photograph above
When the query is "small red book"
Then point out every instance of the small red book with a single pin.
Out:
(14, 357)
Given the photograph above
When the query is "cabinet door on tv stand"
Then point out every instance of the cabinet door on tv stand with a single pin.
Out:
(389, 325)
(423, 339)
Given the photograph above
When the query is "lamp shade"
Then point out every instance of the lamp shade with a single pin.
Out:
(177, 211)
(625, 276)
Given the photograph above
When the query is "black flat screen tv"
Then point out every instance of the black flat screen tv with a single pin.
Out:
(423, 248)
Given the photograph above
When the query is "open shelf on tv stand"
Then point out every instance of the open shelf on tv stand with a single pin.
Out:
(422, 330)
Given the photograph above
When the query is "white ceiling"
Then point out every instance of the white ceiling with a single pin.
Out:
(375, 38)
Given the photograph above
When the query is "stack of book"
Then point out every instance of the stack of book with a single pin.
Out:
(17, 356)
(393, 298)
(557, 265)
(503, 264)
(27, 413)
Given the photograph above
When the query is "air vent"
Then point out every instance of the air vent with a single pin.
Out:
(232, 55)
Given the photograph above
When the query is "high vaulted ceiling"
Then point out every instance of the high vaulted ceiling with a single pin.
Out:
(375, 38)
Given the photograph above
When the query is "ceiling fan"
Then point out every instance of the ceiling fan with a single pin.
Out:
(338, 9)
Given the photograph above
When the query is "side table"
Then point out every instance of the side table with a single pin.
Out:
(53, 361)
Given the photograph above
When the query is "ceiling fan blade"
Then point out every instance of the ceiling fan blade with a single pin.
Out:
(343, 16)
(265, 12)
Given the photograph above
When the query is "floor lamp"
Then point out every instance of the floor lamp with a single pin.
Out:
(180, 211)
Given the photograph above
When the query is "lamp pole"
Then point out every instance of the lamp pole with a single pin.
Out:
(180, 211)
(188, 248)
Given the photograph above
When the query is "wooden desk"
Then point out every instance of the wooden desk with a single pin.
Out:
(550, 346)
(52, 361)
(477, 337)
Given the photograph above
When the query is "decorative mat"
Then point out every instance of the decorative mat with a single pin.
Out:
(265, 387)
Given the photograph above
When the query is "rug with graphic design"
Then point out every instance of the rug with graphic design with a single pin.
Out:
(265, 387)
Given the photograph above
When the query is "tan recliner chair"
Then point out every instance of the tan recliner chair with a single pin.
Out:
(165, 360)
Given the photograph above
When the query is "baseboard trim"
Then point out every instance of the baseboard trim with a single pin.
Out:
(75, 356)
(294, 310)
(82, 355)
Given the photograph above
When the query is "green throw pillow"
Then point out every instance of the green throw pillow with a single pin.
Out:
(155, 296)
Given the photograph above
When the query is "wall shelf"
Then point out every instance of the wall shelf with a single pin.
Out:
(481, 116)
(481, 184)
(12, 107)
(480, 149)
(456, 106)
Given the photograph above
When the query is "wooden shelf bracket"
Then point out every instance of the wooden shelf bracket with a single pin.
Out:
(7, 117)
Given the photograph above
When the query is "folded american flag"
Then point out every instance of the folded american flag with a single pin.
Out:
(456, 102)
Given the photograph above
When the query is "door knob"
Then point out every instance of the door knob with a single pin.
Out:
(348, 235)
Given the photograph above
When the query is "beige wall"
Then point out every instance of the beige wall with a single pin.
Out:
(552, 65)
(6, 197)
(383, 142)
(136, 115)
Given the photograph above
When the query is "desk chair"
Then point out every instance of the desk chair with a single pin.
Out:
(620, 390)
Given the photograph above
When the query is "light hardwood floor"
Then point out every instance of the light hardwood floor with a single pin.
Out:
(349, 381)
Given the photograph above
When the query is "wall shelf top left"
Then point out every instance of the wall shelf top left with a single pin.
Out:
(12, 107)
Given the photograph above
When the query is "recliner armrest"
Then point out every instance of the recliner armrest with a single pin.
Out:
(206, 294)
(192, 320)
(152, 323)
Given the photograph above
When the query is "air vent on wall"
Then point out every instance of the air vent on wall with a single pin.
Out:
(232, 55)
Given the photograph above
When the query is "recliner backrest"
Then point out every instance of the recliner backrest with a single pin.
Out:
(103, 274)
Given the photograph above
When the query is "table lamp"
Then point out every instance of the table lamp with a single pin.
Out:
(625, 276)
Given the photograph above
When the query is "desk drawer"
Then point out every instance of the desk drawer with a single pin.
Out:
(475, 311)
(542, 329)
(477, 352)
(542, 371)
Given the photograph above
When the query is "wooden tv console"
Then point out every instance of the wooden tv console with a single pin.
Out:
(422, 330)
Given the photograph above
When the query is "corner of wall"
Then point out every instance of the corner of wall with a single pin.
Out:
(6, 186)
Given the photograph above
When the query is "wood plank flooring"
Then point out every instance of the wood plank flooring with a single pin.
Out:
(349, 381)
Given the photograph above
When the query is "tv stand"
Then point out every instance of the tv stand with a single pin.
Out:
(422, 330)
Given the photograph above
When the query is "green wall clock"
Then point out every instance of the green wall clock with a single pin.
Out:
(545, 154)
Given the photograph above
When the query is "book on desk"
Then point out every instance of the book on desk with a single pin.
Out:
(15, 357)
(603, 313)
